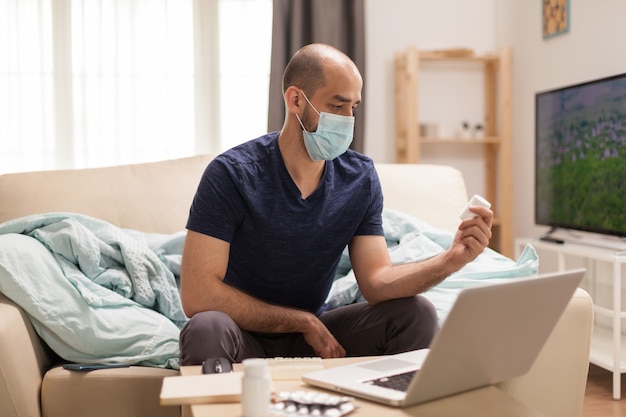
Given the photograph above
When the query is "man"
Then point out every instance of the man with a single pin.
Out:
(268, 225)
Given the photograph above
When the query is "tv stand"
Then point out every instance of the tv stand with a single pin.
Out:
(608, 344)
(619, 246)
(609, 242)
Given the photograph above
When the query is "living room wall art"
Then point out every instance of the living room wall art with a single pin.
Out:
(555, 17)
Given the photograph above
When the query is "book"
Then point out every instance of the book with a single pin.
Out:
(201, 389)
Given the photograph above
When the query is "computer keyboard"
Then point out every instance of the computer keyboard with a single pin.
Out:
(399, 382)
(293, 368)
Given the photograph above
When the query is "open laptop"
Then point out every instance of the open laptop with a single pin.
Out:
(492, 333)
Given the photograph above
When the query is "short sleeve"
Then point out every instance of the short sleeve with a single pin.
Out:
(216, 207)
(372, 223)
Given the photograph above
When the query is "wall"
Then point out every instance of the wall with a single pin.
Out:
(592, 48)
(392, 26)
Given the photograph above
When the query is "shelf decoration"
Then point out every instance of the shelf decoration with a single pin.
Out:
(555, 17)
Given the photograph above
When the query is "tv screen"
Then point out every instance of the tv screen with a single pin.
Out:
(580, 156)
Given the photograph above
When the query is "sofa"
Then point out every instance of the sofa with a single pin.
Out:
(155, 197)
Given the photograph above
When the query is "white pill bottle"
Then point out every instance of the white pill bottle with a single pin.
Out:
(255, 388)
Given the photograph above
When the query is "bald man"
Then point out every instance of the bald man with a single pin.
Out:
(270, 220)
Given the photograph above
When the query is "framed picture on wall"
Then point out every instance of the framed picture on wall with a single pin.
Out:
(555, 17)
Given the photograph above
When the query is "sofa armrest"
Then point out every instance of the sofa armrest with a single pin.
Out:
(117, 392)
(24, 359)
(557, 380)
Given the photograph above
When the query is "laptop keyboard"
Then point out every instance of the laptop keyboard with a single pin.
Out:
(399, 382)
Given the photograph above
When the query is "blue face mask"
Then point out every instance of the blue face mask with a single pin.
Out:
(332, 137)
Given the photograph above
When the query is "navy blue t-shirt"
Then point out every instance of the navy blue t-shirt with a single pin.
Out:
(285, 249)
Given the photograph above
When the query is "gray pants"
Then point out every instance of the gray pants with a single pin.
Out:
(391, 327)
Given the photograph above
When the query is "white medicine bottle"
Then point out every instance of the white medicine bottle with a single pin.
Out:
(255, 388)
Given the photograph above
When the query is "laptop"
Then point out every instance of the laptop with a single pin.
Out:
(492, 333)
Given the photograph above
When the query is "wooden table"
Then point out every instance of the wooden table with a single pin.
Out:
(483, 402)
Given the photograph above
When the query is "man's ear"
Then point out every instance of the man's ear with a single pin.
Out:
(294, 100)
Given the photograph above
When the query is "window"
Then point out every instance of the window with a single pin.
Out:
(26, 106)
(99, 82)
(244, 71)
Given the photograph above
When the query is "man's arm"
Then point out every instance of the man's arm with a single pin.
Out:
(202, 288)
(379, 280)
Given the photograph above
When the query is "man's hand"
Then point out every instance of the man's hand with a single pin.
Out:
(472, 237)
(322, 341)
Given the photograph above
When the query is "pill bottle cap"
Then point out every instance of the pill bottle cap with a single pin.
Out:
(254, 366)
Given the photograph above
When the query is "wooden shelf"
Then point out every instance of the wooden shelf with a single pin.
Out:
(460, 141)
(427, 56)
(497, 158)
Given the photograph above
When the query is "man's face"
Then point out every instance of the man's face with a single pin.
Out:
(340, 95)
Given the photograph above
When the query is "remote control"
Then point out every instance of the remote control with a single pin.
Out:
(476, 200)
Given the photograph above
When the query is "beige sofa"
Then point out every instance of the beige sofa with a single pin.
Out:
(155, 197)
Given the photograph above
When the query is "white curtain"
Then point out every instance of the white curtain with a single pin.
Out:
(88, 83)
(26, 106)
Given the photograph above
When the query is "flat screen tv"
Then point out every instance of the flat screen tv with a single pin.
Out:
(580, 157)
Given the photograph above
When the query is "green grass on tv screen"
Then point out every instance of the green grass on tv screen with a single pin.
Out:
(581, 158)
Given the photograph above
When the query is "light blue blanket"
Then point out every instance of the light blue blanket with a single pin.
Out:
(93, 291)
(96, 293)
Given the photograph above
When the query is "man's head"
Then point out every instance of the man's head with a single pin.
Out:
(319, 78)
(309, 67)
(320, 82)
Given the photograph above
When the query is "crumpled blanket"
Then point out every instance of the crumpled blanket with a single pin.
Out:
(410, 240)
(106, 255)
(95, 292)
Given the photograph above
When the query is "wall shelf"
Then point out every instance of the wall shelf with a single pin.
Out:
(497, 92)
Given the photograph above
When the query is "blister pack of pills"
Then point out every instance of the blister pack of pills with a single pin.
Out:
(309, 403)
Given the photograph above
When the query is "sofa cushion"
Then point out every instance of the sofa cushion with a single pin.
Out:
(120, 392)
(435, 194)
(151, 197)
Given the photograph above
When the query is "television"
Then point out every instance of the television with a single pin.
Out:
(580, 157)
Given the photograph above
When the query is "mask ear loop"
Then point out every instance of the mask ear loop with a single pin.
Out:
(307, 100)
(314, 109)
(300, 121)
